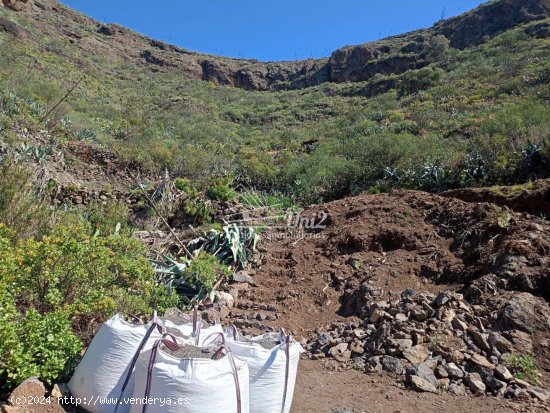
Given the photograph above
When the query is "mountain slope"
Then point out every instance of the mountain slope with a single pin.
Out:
(464, 103)
(352, 63)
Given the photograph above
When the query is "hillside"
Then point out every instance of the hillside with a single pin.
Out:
(388, 204)
(419, 110)
(348, 64)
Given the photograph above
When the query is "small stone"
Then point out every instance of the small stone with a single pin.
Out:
(224, 312)
(503, 373)
(357, 348)
(338, 349)
(475, 383)
(401, 317)
(377, 315)
(442, 299)
(441, 373)
(344, 357)
(460, 325)
(481, 361)
(431, 363)
(480, 340)
(30, 388)
(381, 305)
(374, 364)
(513, 392)
(340, 352)
(454, 371)
(421, 385)
(445, 383)
(499, 342)
(541, 394)
(423, 371)
(212, 316)
(522, 383)
(235, 294)
(457, 389)
(420, 313)
(401, 343)
(392, 364)
(359, 333)
(416, 354)
(447, 315)
(224, 298)
(494, 384)
(456, 356)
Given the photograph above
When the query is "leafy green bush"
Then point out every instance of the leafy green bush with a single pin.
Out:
(74, 270)
(221, 190)
(191, 280)
(19, 208)
(184, 184)
(32, 344)
(207, 270)
(72, 273)
(111, 218)
(523, 367)
(414, 81)
(201, 211)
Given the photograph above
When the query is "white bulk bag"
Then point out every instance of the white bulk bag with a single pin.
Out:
(190, 385)
(272, 371)
(194, 328)
(99, 379)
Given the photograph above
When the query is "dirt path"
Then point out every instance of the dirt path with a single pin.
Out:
(320, 390)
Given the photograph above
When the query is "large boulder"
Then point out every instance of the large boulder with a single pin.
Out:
(525, 312)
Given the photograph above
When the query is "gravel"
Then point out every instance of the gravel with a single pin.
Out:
(268, 343)
(188, 352)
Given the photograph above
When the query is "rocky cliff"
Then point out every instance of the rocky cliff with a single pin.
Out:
(394, 55)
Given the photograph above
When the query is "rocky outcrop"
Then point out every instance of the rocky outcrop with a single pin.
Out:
(390, 56)
(490, 19)
(17, 5)
(10, 27)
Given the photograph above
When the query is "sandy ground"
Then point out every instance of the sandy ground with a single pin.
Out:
(320, 390)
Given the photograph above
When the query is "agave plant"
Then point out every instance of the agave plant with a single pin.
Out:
(85, 135)
(35, 107)
(26, 149)
(193, 280)
(40, 153)
(66, 122)
(9, 105)
(434, 177)
(232, 246)
(475, 168)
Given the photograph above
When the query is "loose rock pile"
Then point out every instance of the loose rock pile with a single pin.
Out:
(438, 343)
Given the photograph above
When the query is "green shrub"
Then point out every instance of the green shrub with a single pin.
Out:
(111, 218)
(73, 273)
(199, 210)
(414, 81)
(221, 190)
(523, 367)
(32, 344)
(19, 207)
(438, 49)
(76, 271)
(206, 270)
(184, 184)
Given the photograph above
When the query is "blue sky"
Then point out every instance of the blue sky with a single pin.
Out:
(271, 30)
